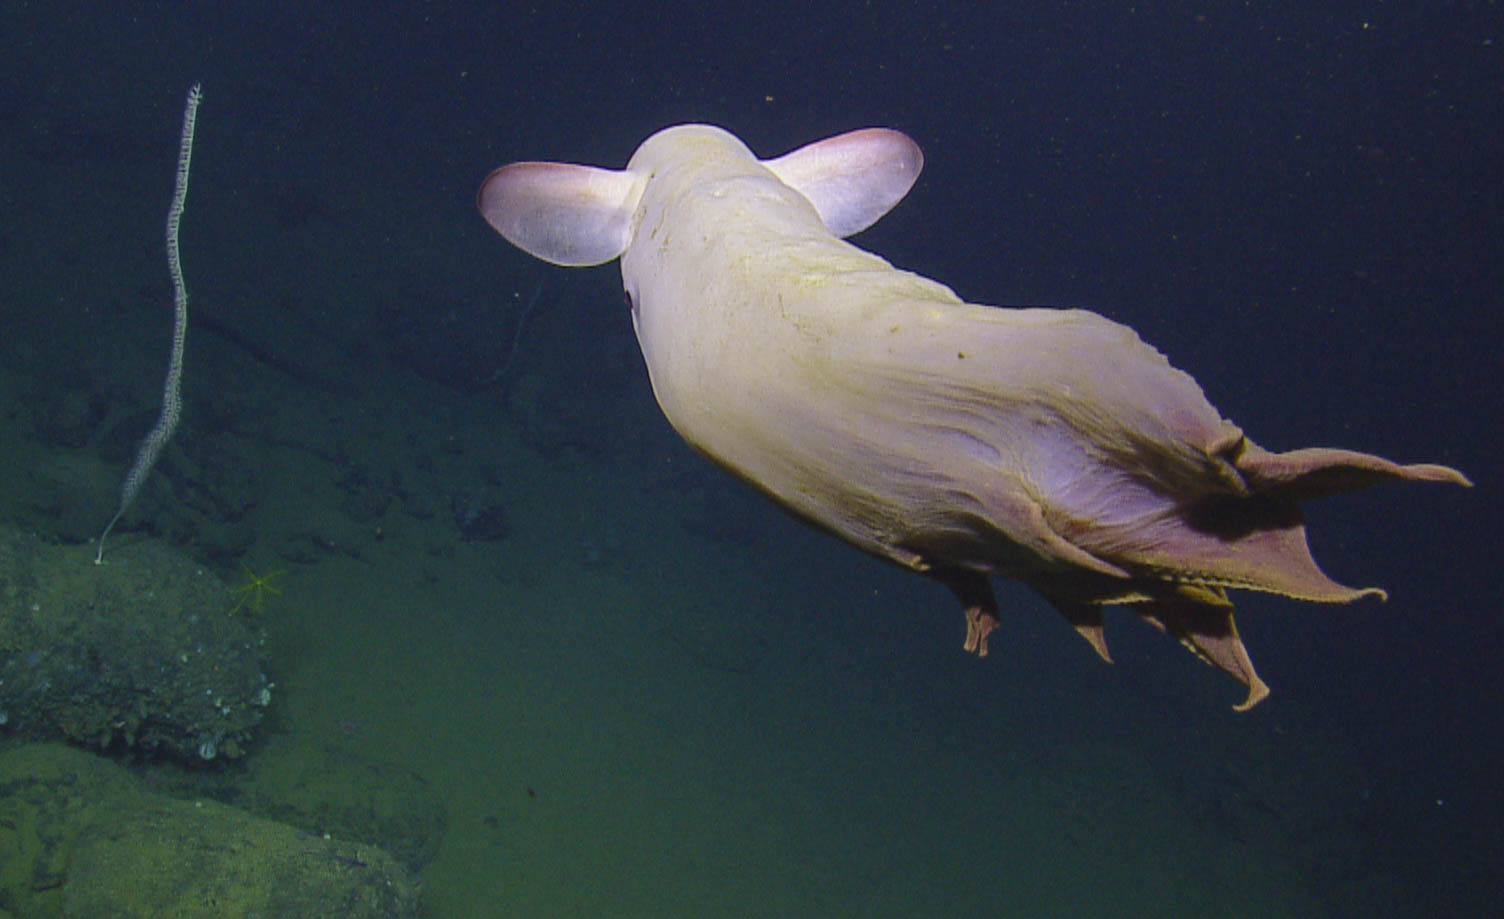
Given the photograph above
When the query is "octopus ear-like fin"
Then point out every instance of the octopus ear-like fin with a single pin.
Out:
(562, 213)
(852, 179)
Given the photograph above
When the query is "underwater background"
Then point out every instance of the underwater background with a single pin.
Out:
(596, 676)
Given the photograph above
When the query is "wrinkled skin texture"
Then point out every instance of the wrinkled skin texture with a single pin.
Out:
(962, 441)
